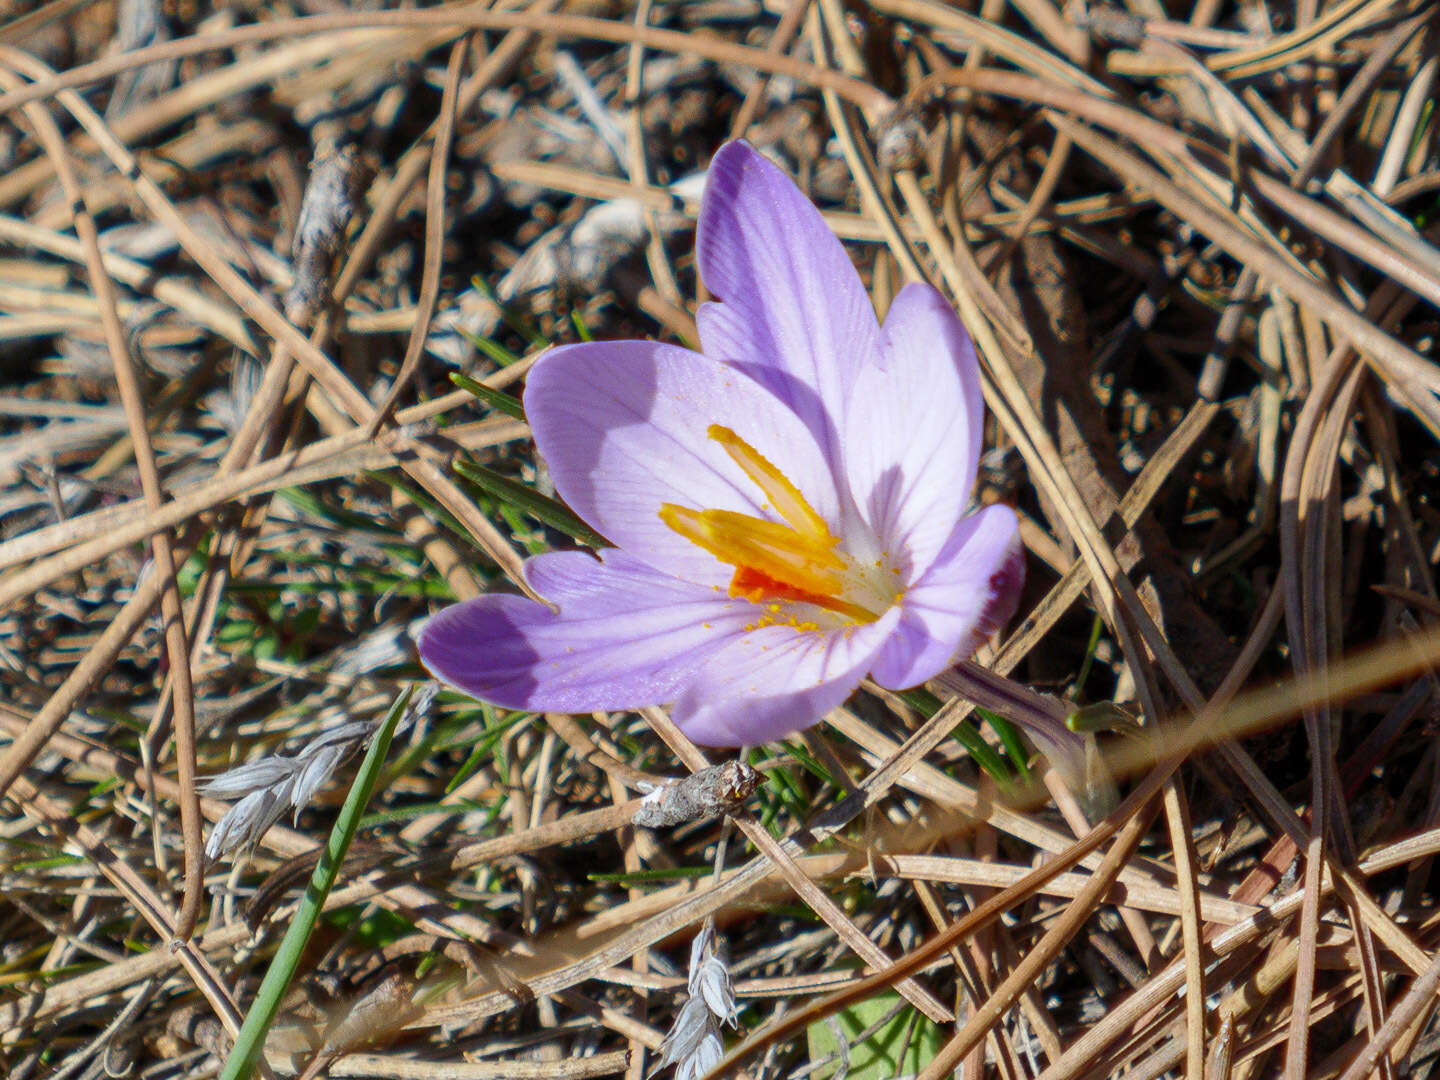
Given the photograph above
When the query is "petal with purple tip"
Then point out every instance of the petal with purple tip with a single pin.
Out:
(625, 636)
(793, 312)
(623, 427)
(969, 592)
(913, 430)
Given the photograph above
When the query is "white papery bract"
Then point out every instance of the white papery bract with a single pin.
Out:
(693, 1044)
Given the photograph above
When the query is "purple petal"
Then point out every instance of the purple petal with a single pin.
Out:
(625, 636)
(969, 592)
(623, 426)
(793, 313)
(774, 682)
(913, 430)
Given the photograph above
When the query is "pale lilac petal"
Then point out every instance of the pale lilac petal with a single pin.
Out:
(774, 682)
(913, 429)
(577, 582)
(793, 311)
(623, 424)
(970, 591)
(625, 636)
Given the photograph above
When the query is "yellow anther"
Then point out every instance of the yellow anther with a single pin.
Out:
(794, 560)
(784, 497)
(774, 549)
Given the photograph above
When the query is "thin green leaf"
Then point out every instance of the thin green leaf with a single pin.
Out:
(508, 315)
(966, 734)
(509, 404)
(251, 1039)
(651, 877)
(984, 754)
(497, 353)
(1097, 625)
(1009, 736)
(422, 498)
(811, 763)
(545, 510)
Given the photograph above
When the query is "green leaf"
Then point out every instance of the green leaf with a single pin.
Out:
(545, 510)
(509, 404)
(251, 1039)
(1097, 626)
(810, 762)
(901, 1042)
(484, 743)
(494, 350)
(663, 875)
(1010, 739)
(508, 316)
(372, 929)
(781, 797)
(965, 733)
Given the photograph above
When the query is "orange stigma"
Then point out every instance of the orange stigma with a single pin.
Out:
(795, 559)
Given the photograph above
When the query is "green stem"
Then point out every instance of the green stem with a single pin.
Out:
(248, 1044)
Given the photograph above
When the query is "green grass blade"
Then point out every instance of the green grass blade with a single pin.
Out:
(508, 316)
(927, 704)
(241, 1062)
(508, 404)
(1010, 738)
(529, 501)
(984, 754)
(498, 354)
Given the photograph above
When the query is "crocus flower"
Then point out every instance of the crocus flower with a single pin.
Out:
(788, 506)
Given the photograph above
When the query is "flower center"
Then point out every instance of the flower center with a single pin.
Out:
(797, 559)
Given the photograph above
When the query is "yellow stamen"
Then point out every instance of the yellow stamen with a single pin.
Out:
(773, 548)
(785, 497)
(793, 560)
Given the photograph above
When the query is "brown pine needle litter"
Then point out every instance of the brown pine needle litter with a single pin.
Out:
(243, 248)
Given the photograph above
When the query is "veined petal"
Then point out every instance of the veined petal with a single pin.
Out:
(793, 312)
(913, 430)
(578, 582)
(969, 592)
(623, 426)
(774, 682)
(625, 636)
